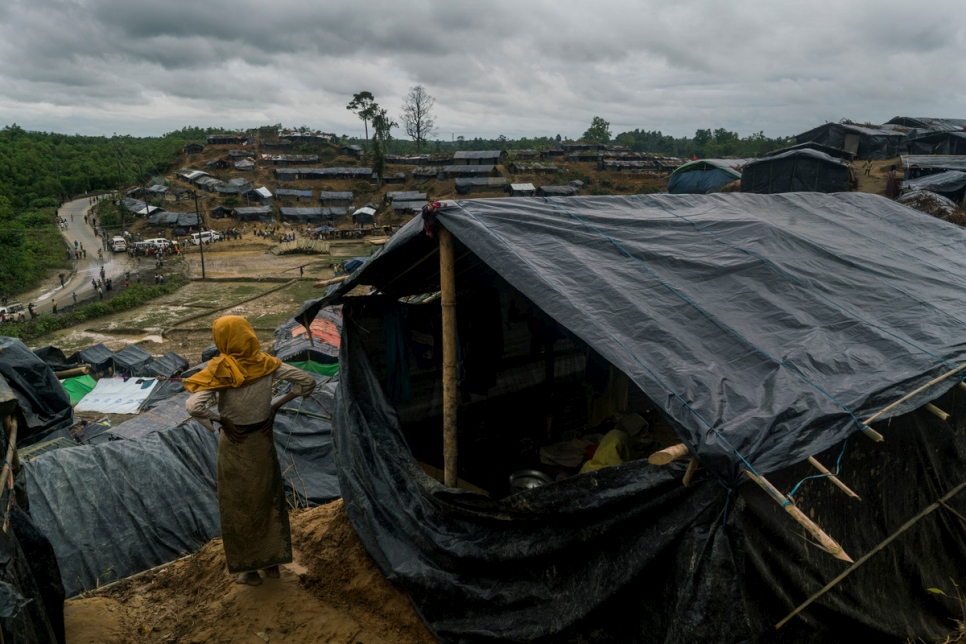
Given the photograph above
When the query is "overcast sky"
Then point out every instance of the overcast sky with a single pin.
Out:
(514, 67)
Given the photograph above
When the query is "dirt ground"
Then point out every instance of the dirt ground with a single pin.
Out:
(333, 592)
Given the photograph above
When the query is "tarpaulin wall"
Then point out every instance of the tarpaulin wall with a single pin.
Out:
(873, 143)
(795, 171)
(701, 182)
(627, 551)
(43, 402)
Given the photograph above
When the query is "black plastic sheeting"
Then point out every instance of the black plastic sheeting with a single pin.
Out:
(118, 508)
(43, 402)
(800, 170)
(210, 353)
(130, 360)
(628, 554)
(168, 365)
(939, 143)
(99, 357)
(951, 184)
(875, 142)
(751, 321)
(53, 357)
(115, 509)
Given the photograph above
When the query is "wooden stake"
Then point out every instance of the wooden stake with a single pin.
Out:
(828, 543)
(916, 392)
(668, 454)
(871, 433)
(834, 479)
(931, 408)
(692, 468)
(447, 288)
(848, 571)
(6, 476)
(962, 386)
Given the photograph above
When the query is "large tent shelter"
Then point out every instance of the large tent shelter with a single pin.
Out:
(801, 170)
(945, 143)
(760, 329)
(99, 357)
(705, 176)
(865, 141)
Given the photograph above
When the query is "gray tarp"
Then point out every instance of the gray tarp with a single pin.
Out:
(801, 170)
(948, 184)
(130, 360)
(168, 365)
(764, 327)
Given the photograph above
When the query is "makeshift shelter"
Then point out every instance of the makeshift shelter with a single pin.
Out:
(929, 123)
(336, 199)
(951, 184)
(302, 215)
(452, 171)
(838, 153)
(130, 360)
(364, 215)
(169, 365)
(865, 141)
(78, 387)
(705, 176)
(557, 191)
(465, 186)
(522, 190)
(796, 171)
(930, 202)
(292, 343)
(255, 213)
(762, 329)
(477, 157)
(919, 165)
(408, 195)
(53, 358)
(99, 357)
(945, 143)
(28, 383)
(118, 395)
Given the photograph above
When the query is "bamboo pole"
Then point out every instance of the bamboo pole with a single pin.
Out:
(848, 571)
(962, 386)
(692, 468)
(73, 373)
(931, 408)
(871, 433)
(6, 475)
(834, 479)
(827, 542)
(447, 288)
(915, 392)
(330, 282)
(668, 454)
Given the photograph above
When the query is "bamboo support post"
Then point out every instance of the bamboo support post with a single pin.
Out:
(6, 474)
(834, 479)
(827, 542)
(962, 386)
(668, 454)
(909, 395)
(447, 288)
(848, 571)
(931, 408)
(871, 433)
(330, 282)
(692, 468)
(73, 373)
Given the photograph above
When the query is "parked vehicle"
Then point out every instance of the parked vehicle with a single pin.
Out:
(12, 308)
(208, 235)
(118, 245)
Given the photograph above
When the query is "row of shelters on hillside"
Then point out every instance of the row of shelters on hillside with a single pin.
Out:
(761, 336)
(891, 139)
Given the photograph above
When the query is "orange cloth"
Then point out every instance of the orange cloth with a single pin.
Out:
(241, 362)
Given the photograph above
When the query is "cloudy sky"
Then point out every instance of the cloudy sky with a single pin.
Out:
(512, 67)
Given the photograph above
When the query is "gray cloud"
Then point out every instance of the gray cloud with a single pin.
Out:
(515, 68)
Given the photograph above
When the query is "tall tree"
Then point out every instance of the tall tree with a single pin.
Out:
(418, 115)
(598, 131)
(376, 159)
(382, 126)
(364, 106)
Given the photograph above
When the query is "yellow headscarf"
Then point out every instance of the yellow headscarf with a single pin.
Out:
(241, 361)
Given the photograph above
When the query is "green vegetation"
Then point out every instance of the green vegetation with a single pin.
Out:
(598, 131)
(133, 296)
(31, 245)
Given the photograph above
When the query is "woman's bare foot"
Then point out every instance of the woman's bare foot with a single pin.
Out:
(273, 572)
(250, 578)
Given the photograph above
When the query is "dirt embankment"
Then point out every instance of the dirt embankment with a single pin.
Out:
(332, 593)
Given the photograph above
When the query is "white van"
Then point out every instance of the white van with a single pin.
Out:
(206, 236)
(160, 243)
(118, 245)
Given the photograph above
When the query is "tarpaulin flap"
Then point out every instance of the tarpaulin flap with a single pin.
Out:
(131, 359)
(117, 395)
(801, 170)
(628, 553)
(116, 509)
(168, 365)
(943, 183)
(54, 358)
(99, 357)
(78, 387)
(43, 402)
(303, 437)
(764, 327)
(168, 413)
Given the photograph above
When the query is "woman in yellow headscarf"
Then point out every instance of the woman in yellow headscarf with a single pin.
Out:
(251, 497)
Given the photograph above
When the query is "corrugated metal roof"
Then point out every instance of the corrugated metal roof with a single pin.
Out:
(287, 192)
(477, 154)
(468, 169)
(336, 195)
(522, 187)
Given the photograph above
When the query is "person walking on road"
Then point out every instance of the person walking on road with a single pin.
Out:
(74, 295)
(100, 293)
(54, 304)
(4, 300)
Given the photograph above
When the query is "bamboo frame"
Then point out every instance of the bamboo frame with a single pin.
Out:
(827, 542)
(834, 479)
(936, 411)
(330, 282)
(689, 474)
(6, 474)
(848, 571)
(447, 288)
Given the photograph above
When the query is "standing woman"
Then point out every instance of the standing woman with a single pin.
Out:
(251, 497)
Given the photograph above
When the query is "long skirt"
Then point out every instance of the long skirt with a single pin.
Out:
(251, 501)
